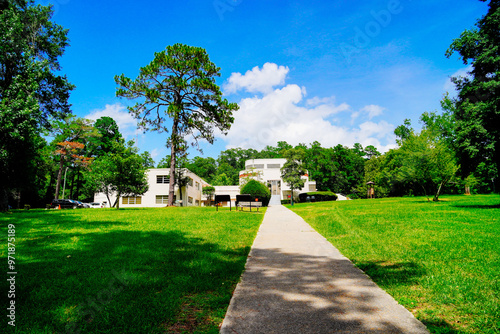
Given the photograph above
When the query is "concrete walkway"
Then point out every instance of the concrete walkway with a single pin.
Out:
(295, 281)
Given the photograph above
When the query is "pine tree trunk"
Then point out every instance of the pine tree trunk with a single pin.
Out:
(173, 141)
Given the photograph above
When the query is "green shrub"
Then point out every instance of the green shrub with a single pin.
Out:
(258, 190)
(318, 196)
(285, 201)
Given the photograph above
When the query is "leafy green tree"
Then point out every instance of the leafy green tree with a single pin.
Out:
(31, 93)
(382, 171)
(147, 160)
(109, 134)
(164, 162)
(179, 96)
(477, 107)
(293, 169)
(427, 161)
(121, 172)
(371, 151)
(257, 189)
(322, 168)
(100, 177)
(222, 180)
(271, 152)
(350, 165)
(404, 132)
(206, 168)
(236, 157)
(209, 191)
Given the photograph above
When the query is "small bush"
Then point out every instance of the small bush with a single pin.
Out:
(258, 190)
(318, 196)
(285, 201)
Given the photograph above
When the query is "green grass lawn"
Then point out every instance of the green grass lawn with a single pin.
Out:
(169, 270)
(440, 260)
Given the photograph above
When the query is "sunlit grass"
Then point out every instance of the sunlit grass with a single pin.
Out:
(440, 260)
(169, 270)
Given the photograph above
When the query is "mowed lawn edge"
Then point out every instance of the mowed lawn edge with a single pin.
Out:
(168, 270)
(439, 260)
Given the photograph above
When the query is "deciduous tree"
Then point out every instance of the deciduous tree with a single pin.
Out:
(427, 162)
(122, 173)
(477, 107)
(71, 135)
(31, 93)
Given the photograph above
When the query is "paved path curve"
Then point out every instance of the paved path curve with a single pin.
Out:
(295, 281)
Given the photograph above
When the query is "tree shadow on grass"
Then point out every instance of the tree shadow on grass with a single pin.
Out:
(118, 281)
(392, 274)
(478, 206)
(442, 327)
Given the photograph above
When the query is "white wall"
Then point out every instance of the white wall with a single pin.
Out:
(191, 194)
(265, 170)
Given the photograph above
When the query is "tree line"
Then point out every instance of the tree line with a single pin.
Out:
(43, 147)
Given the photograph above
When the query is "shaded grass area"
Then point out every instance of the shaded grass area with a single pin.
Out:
(169, 270)
(440, 260)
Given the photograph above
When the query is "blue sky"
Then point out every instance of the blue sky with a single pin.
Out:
(338, 72)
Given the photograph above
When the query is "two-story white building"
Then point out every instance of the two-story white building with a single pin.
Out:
(269, 172)
(157, 194)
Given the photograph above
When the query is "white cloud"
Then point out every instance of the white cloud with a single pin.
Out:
(354, 116)
(280, 115)
(373, 110)
(126, 122)
(257, 80)
(155, 153)
(317, 100)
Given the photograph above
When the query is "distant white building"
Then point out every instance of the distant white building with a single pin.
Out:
(267, 171)
(157, 194)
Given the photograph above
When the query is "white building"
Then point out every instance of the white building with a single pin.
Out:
(157, 194)
(264, 170)
(269, 172)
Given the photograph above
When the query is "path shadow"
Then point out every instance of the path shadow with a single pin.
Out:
(294, 293)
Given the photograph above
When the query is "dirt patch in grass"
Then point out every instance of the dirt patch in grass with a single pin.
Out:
(190, 318)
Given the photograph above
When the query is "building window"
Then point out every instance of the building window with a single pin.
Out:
(162, 179)
(259, 166)
(197, 186)
(190, 200)
(197, 203)
(132, 200)
(190, 182)
(161, 199)
(273, 166)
